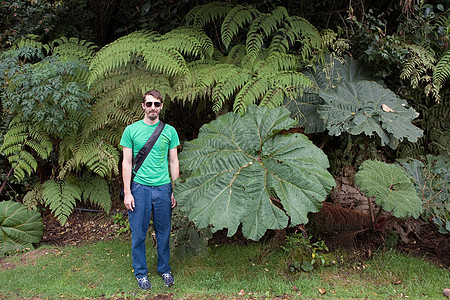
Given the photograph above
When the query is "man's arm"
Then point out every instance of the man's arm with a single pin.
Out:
(174, 169)
(127, 165)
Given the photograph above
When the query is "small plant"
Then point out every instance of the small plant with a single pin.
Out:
(306, 254)
(124, 225)
(431, 181)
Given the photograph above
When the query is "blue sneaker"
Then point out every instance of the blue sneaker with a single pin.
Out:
(168, 279)
(144, 283)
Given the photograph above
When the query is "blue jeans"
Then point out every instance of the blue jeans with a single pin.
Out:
(146, 199)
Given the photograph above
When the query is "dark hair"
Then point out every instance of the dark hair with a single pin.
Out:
(155, 93)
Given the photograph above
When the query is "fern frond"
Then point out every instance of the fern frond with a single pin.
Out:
(230, 80)
(278, 63)
(442, 72)
(73, 48)
(31, 42)
(95, 190)
(202, 15)
(281, 42)
(420, 60)
(14, 145)
(236, 54)
(236, 18)
(189, 40)
(308, 35)
(119, 53)
(40, 141)
(290, 79)
(99, 157)
(33, 197)
(273, 98)
(166, 60)
(60, 197)
(328, 37)
(251, 93)
(263, 26)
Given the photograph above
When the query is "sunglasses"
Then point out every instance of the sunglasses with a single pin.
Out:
(150, 103)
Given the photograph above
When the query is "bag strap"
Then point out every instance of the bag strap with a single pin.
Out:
(145, 150)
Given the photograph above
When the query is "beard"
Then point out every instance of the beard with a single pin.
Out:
(152, 116)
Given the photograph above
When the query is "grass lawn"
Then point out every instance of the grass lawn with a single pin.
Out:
(103, 270)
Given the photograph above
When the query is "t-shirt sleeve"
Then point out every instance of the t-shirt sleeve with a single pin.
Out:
(125, 141)
(174, 140)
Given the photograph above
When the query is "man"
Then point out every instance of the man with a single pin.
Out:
(151, 189)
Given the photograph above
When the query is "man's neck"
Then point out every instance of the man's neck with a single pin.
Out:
(150, 122)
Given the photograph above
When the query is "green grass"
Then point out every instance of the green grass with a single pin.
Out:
(104, 270)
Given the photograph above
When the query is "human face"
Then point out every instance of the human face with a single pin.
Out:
(151, 112)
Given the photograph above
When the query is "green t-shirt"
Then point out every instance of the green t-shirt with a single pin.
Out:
(154, 170)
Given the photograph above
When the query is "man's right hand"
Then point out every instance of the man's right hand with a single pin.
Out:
(129, 201)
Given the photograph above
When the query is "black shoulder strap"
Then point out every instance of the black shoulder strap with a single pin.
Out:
(145, 150)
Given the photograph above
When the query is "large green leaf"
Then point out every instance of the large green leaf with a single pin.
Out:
(19, 227)
(391, 186)
(244, 173)
(368, 107)
(305, 107)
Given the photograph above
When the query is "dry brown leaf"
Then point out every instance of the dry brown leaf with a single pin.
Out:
(386, 108)
(322, 291)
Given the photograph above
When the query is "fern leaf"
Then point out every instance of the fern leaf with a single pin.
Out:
(119, 53)
(202, 15)
(273, 98)
(189, 40)
(61, 197)
(96, 191)
(236, 18)
(233, 79)
(308, 35)
(33, 197)
(251, 93)
(14, 147)
(442, 72)
(73, 48)
(263, 26)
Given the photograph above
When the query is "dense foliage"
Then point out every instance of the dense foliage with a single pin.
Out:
(65, 104)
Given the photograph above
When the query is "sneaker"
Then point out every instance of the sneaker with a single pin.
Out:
(144, 283)
(168, 279)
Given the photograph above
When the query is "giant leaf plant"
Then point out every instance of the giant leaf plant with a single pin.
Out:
(19, 227)
(369, 108)
(240, 170)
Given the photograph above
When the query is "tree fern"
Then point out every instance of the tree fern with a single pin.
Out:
(202, 15)
(95, 190)
(236, 18)
(231, 80)
(263, 26)
(119, 53)
(442, 72)
(188, 40)
(308, 36)
(17, 143)
(60, 197)
(34, 197)
(73, 48)
(94, 153)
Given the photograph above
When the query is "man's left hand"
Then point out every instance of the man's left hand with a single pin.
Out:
(174, 202)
